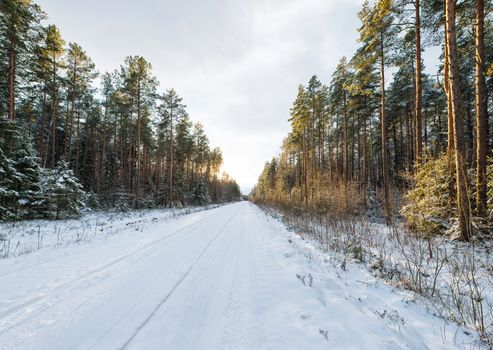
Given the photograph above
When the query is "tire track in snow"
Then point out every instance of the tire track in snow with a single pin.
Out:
(177, 284)
(129, 225)
(67, 285)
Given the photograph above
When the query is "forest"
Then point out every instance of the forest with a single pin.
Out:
(412, 145)
(71, 137)
(371, 227)
(390, 166)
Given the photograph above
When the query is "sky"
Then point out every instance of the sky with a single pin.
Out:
(236, 64)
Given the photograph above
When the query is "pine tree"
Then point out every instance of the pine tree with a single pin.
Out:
(81, 73)
(481, 112)
(463, 204)
(121, 148)
(18, 20)
(377, 35)
(171, 109)
(49, 66)
(339, 99)
(300, 117)
(140, 85)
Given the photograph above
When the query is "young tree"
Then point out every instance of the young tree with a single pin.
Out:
(63, 194)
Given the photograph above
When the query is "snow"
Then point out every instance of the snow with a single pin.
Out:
(226, 278)
(29, 236)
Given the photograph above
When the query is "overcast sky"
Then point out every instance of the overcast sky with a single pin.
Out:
(236, 63)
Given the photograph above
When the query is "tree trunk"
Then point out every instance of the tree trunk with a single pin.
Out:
(305, 168)
(170, 197)
(68, 140)
(346, 141)
(104, 146)
(77, 143)
(383, 121)
(409, 147)
(365, 162)
(122, 163)
(450, 122)
(418, 87)
(42, 131)
(481, 113)
(11, 100)
(72, 121)
(138, 141)
(463, 205)
(54, 103)
(66, 131)
(130, 151)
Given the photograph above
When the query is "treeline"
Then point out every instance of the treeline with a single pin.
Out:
(126, 143)
(366, 137)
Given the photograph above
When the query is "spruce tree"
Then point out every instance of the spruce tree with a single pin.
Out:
(19, 173)
(62, 193)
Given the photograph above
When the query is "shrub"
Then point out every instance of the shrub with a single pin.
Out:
(429, 205)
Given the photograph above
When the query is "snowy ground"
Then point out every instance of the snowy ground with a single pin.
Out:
(26, 237)
(226, 278)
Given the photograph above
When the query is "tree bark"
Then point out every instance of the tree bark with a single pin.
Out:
(463, 205)
(42, 131)
(418, 86)
(450, 122)
(383, 122)
(54, 103)
(365, 162)
(170, 197)
(346, 141)
(481, 114)
(138, 141)
(130, 146)
(68, 140)
(77, 143)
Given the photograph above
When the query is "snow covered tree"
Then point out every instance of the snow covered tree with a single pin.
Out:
(19, 173)
(199, 194)
(8, 196)
(62, 193)
(122, 147)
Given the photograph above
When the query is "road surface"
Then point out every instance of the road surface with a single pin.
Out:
(226, 278)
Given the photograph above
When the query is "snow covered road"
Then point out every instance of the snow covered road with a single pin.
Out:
(226, 278)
